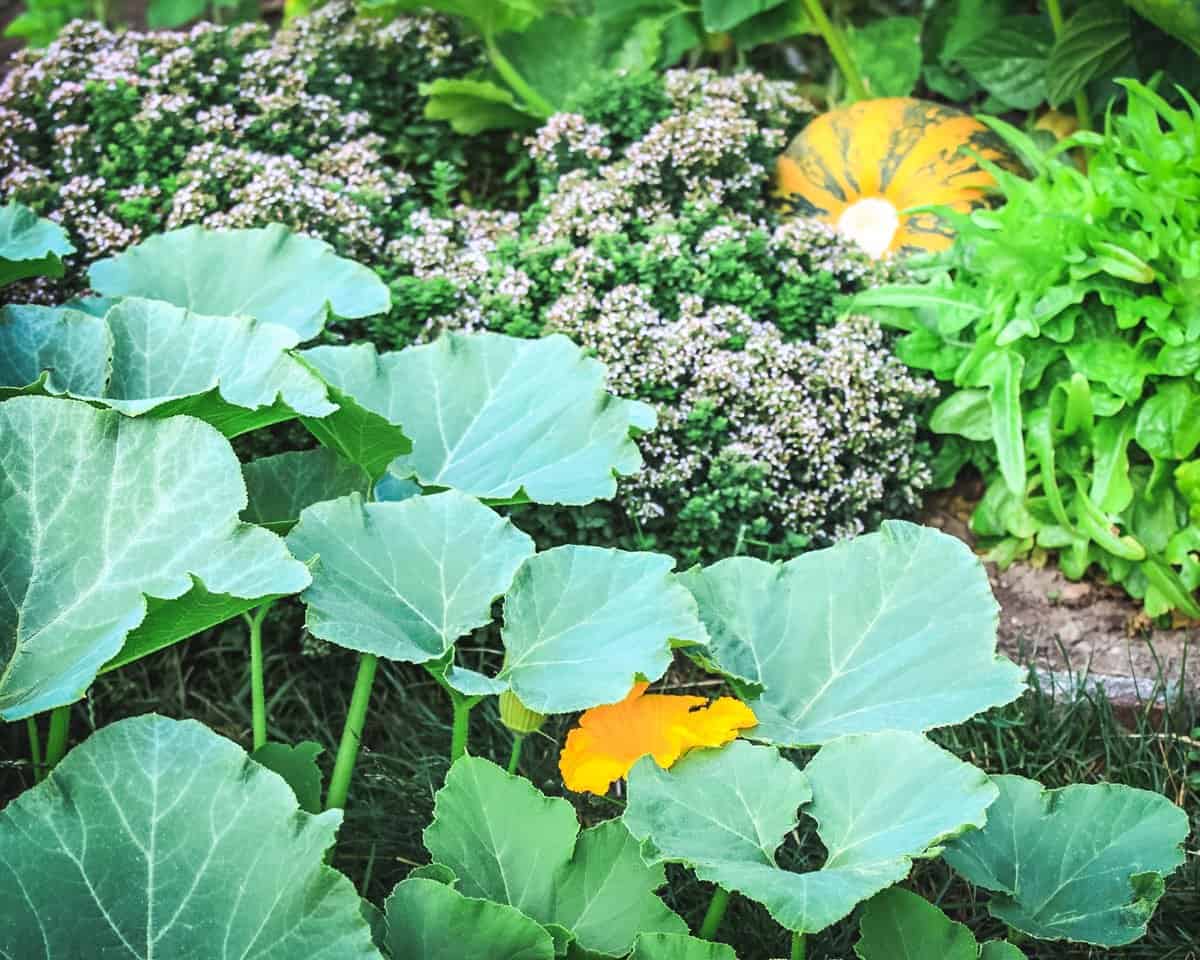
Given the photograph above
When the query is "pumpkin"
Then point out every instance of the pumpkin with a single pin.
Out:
(861, 167)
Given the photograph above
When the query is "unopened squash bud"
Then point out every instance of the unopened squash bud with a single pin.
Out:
(518, 717)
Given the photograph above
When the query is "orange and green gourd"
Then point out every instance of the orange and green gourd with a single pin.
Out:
(861, 168)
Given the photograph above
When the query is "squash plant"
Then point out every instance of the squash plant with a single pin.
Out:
(128, 524)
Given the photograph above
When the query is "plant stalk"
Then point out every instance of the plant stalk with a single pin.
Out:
(462, 725)
(356, 717)
(799, 946)
(839, 49)
(1083, 113)
(714, 914)
(510, 75)
(258, 698)
(56, 738)
(35, 748)
(514, 758)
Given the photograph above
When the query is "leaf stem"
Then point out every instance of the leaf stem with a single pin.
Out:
(514, 757)
(799, 946)
(835, 39)
(56, 738)
(462, 725)
(714, 914)
(356, 717)
(1083, 112)
(258, 699)
(35, 748)
(534, 101)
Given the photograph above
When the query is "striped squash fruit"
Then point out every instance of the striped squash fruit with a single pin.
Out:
(861, 167)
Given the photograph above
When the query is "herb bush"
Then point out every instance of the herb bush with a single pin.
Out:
(319, 126)
(130, 525)
(780, 426)
(1065, 326)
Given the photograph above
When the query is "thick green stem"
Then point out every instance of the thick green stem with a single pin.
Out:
(534, 101)
(799, 946)
(462, 726)
(715, 914)
(356, 717)
(1083, 111)
(258, 698)
(56, 739)
(835, 39)
(35, 749)
(514, 757)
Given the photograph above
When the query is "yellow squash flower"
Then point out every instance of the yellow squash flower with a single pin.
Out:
(611, 739)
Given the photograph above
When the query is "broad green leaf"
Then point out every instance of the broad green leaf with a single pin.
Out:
(888, 52)
(280, 487)
(964, 412)
(581, 623)
(1095, 41)
(169, 14)
(1168, 423)
(880, 801)
(494, 416)
(99, 512)
(1179, 18)
(404, 580)
(29, 245)
(678, 946)
(158, 838)
(269, 274)
(1009, 62)
(427, 920)
(899, 925)
(152, 357)
(894, 630)
(508, 843)
(474, 106)
(1000, 950)
(487, 16)
(298, 767)
(1084, 863)
(720, 16)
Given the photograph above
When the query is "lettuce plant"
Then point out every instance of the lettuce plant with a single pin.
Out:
(129, 524)
(1065, 326)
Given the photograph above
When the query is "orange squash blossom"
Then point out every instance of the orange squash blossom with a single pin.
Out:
(861, 167)
(611, 739)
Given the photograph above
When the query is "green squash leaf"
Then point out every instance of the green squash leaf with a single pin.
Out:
(899, 925)
(720, 16)
(101, 512)
(282, 486)
(269, 274)
(158, 838)
(169, 14)
(427, 920)
(879, 801)
(1095, 41)
(404, 580)
(1179, 18)
(888, 51)
(29, 245)
(474, 106)
(1084, 863)
(149, 357)
(508, 843)
(581, 623)
(678, 946)
(298, 767)
(894, 630)
(497, 417)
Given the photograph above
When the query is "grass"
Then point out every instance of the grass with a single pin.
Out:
(1056, 740)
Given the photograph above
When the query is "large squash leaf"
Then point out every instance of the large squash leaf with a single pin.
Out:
(894, 630)
(677, 946)
(581, 623)
(29, 245)
(899, 925)
(404, 580)
(427, 920)
(149, 357)
(280, 487)
(270, 274)
(879, 801)
(1083, 863)
(508, 843)
(497, 417)
(99, 512)
(158, 838)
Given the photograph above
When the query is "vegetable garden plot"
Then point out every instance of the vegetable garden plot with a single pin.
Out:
(136, 843)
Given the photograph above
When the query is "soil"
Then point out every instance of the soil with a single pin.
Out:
(1080, 634)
